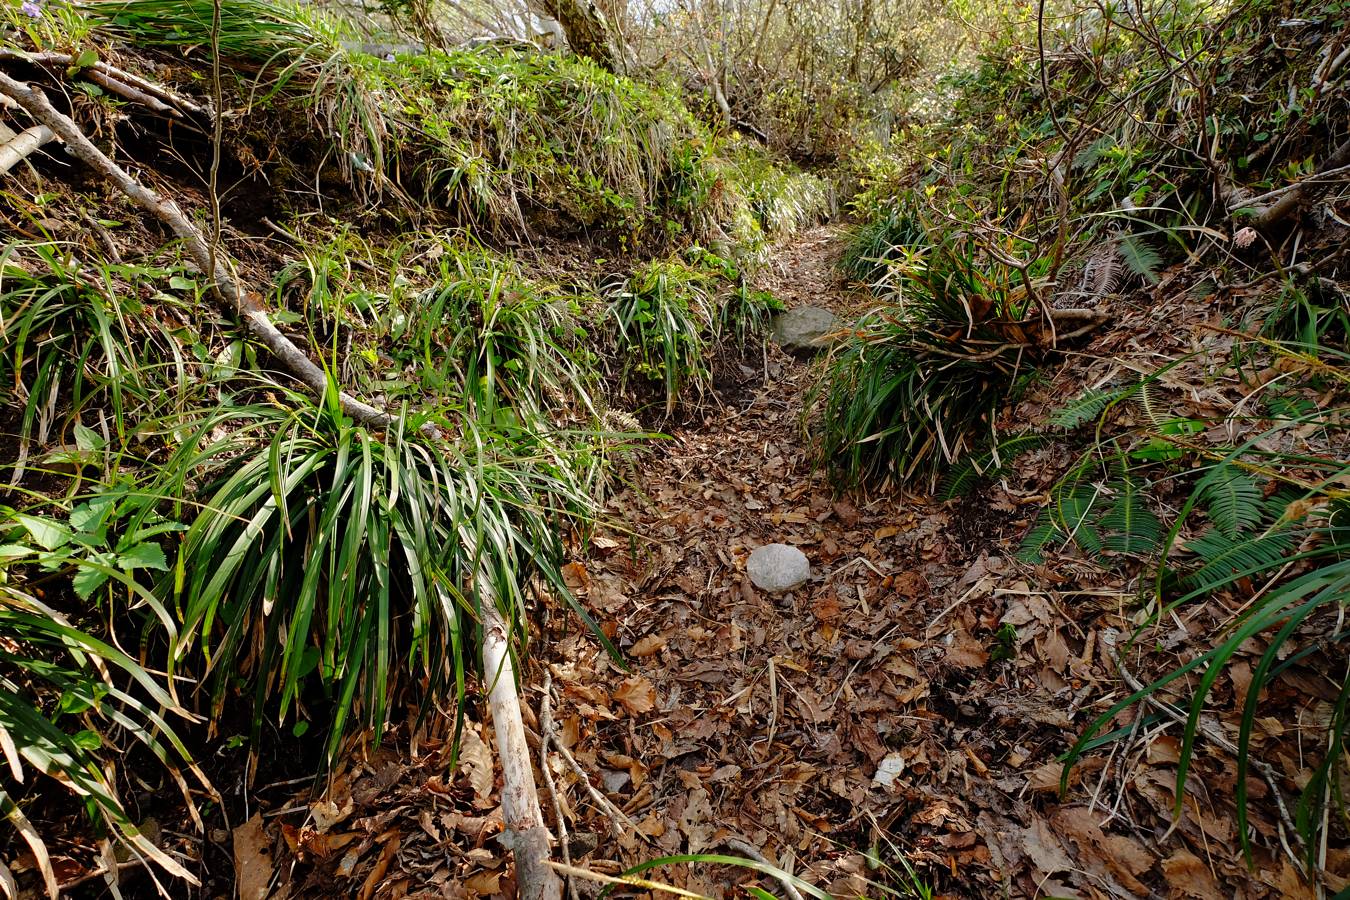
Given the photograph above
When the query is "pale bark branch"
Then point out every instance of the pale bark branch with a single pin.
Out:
(1307, 190)
(525, 835)
(118, 81)
(225, 287)
(23, 145)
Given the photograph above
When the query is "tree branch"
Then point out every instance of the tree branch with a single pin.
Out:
(22, 145)
(225, 288)
(1306, 190)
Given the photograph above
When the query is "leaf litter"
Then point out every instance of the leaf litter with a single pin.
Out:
(903, 710)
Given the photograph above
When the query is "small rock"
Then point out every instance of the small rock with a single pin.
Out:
(804, 328)
(891, 768)
(778, 567)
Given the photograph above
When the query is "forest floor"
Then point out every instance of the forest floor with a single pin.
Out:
(904, 707)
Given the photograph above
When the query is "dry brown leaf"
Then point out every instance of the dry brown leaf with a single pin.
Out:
(637, 695)
(1188, 876)
(252, 860)
(484, 883)
(476, 763)
(966, 652)
(392, 840)
(1044, 849)
(576, 577)
(1123, 855)
(646, 646)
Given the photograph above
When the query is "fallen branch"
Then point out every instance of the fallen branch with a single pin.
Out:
(225, 287)
(23, 145)
(1305, 191)
(549, 734)
(617, 817)
(118, 81)
(525, 834)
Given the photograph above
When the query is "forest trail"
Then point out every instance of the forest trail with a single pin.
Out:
(801, 723)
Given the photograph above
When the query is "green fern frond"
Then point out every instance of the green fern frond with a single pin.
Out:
(1149, 406)
(1140, 257)
(1129, 526)
(986, 464)
(1224, 558)
(1085, 407)
(1073, 514)
(1038, 538)
(1232, 498)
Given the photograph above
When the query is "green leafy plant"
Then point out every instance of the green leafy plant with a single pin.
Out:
(332, 560)
(880, 241)
(501, 339)
(663, 315)
(71, 702)
(1257, 514)
(491, 137)
(918, 385)
(90, 543)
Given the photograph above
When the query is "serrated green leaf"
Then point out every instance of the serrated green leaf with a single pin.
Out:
(86, 580)
(48, 534)
(146, 555)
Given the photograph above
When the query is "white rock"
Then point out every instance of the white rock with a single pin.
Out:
(890, 769)
(778, 567)
(804, 328)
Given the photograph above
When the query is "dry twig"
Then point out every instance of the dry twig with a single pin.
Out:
(617, 817)
(117, 81)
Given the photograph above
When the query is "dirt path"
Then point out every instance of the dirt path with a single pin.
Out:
(767, 718)
(904, 708)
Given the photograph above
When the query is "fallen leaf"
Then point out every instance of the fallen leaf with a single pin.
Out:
(889, 769)
(252, 860)
(646, 646)
(637, 695)
(1123, 855)
(1188, 876)
(966, 652)
(476, 763)
(576, 577)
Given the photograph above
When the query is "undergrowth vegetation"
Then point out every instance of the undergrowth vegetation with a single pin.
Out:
(518, 261)
(196, 557)
(1133, 157)
(918, 384)
(507, 140)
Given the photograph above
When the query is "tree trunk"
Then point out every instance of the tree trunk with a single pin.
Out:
(585, 27)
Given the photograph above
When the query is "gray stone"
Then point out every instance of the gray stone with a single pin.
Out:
(778, 567)
(804, 328)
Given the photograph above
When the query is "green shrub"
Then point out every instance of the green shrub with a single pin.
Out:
(879, 242)
(330, 561)
(918, 384)
(486, 332)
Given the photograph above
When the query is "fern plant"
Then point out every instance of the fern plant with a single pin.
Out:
(1272, 518)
